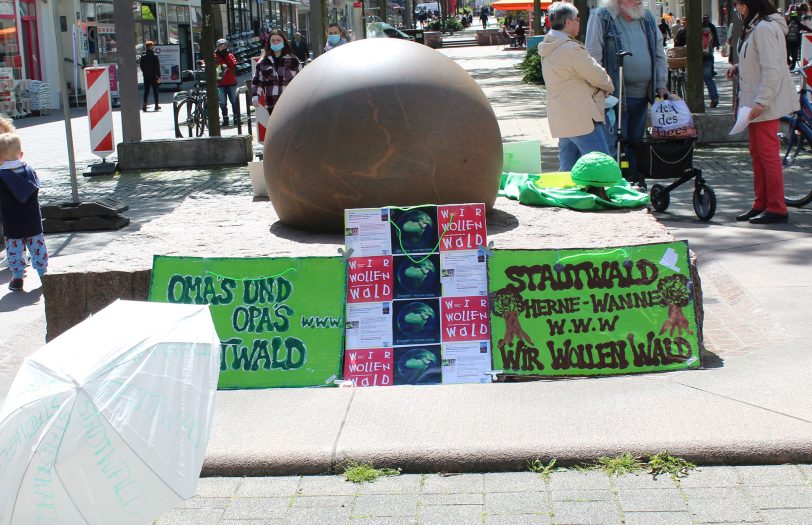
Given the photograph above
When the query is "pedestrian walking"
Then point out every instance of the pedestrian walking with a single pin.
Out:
(274, 72)
(151, 71)
(299, 46)
(576, 87)
(708, 47)
(226, 79)
(20, 209)
(335, 37)
(794, 28)
(665, 30)
(765, 86)
(626, 25)
(483, 17)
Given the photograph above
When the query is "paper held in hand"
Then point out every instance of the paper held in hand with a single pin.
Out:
(742, 120)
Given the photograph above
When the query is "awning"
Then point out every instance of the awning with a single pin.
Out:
(517, 5)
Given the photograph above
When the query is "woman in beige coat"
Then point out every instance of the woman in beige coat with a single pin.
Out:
(576, 87)
(766, 87)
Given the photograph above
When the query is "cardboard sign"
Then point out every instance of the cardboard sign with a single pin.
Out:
(593, 312)
(280, 320)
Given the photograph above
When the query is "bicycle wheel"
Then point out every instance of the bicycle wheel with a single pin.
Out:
(797, 186)
(704, 202)
(190, 119)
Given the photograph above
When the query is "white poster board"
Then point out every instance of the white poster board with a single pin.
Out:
(169, 57)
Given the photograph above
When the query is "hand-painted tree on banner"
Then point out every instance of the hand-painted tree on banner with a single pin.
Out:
(593, 312)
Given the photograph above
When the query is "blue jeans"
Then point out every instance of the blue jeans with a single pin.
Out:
(707, 76)
(231, 93)
(633, 127)
(571, 149)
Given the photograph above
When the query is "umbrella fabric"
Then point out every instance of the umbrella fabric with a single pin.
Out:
(109, 422)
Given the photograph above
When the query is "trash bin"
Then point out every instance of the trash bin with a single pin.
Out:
(433, 39)
(416, 33)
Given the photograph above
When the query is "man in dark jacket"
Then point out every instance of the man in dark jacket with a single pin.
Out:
(227, 79)
(151, 69)
(299, 46)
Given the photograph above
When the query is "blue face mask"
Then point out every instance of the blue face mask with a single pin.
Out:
(333, 39)
(277, 47)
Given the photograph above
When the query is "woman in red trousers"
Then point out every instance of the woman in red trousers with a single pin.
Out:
(765, 86)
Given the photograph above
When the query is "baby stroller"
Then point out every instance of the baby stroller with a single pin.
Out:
(664, 159)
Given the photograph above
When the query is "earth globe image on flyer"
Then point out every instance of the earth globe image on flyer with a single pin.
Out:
(416, 318)
(417, 230)
(418, 365)
(417, 276)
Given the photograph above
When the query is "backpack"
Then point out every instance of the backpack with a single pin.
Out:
(793, 30)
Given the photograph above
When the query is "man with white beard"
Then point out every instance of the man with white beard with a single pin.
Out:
(626, 25)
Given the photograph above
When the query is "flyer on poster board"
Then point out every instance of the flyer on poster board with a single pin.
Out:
(417, 305)
(593, 311)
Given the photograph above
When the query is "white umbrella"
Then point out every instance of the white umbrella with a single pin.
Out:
(109, 422)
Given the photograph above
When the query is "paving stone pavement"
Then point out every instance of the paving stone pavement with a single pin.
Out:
(780, 495)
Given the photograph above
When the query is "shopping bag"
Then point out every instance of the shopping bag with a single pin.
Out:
(671, 118)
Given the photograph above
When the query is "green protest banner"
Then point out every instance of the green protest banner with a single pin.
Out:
(593, 312)
(280, 320)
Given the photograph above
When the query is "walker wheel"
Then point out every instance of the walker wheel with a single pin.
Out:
(660, 199)
(704, 202)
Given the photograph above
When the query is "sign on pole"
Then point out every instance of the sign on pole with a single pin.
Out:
(99, 112)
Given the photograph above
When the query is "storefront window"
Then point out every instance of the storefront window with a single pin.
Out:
(10, 45)
(104, 13)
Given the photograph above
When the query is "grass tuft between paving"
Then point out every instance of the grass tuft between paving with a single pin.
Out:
(665, 463)
(364, 472)
(537, 466)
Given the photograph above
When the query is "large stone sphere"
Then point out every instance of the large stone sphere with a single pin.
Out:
(379, 122)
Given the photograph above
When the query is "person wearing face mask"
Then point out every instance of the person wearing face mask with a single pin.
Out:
(299, 46)
(335, 37)
(227, 84)
(765, 86)
(274, 71)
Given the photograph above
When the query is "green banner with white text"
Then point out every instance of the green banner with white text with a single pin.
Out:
(593, 311)
(280, 320)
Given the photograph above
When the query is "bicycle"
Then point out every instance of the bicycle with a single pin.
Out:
(798, 180)
(190, 108)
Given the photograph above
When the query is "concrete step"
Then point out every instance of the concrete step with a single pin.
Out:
(459, 43)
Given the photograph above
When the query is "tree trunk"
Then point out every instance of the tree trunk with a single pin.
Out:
(694, 88)
(536, 17)
(583, 14)
(207, 50)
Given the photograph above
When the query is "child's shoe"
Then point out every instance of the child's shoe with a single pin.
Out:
(16, 284)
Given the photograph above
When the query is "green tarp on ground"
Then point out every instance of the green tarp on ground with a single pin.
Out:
(557, 189)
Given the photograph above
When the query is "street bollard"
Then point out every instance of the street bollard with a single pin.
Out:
(238, 113)
(248, 106)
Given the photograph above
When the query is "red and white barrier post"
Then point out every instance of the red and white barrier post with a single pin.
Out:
(99, 111)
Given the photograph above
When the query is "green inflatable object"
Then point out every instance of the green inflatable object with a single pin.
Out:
(596, 169)
(531, 190)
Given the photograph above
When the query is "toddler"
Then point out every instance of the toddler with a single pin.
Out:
(19, 209)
